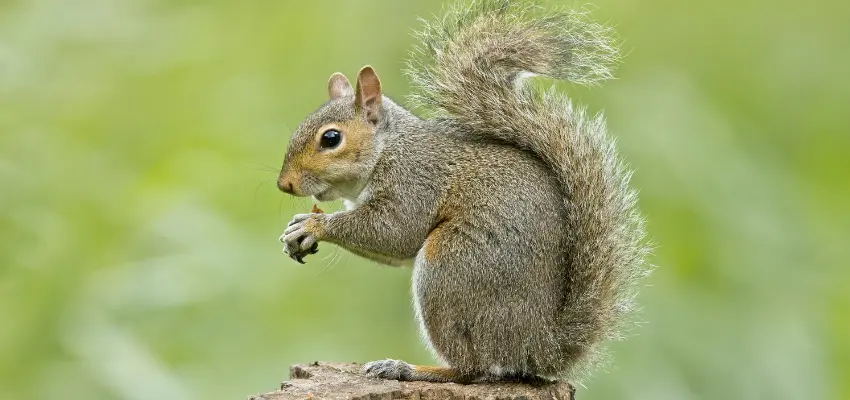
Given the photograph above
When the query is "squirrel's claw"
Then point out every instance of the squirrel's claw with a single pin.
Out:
(298, 243)
(307, 246)
(299, 256)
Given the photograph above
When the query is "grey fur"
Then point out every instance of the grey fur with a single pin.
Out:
(515, 206)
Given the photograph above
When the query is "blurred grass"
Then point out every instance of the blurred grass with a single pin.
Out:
(138, 147)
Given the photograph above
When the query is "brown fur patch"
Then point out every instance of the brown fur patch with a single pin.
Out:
(358, 135)
(443, 372)
(314, 227)
(355, 135)
(435, 239)
(432, 244)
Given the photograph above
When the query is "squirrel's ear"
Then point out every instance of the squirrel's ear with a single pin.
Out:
(368, 96)
(338, 86)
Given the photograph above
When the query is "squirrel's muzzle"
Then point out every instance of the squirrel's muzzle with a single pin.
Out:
(286, 184)
(285, 187)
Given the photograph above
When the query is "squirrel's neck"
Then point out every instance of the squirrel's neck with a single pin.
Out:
(397, 122)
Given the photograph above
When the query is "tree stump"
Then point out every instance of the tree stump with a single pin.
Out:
(321, 380)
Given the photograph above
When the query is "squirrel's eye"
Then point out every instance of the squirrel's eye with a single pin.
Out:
(330, 139)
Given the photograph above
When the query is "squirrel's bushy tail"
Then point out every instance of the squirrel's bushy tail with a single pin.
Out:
(469, 71)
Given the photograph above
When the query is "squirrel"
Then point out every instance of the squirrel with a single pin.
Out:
(513, 206)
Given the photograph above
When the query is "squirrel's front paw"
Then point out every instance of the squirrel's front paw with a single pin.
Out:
(302, 235)
(388, 369)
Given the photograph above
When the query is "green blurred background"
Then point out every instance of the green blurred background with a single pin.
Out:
(139, 143)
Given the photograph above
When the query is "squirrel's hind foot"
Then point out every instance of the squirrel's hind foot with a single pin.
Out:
(402, 371)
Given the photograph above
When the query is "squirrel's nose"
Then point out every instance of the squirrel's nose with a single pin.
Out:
(285, 185)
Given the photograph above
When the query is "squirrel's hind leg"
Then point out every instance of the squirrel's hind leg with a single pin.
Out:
(402, 371)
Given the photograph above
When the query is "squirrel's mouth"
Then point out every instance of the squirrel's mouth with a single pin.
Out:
(326, 195)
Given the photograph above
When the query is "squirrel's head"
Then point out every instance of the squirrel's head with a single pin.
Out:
(332, 153)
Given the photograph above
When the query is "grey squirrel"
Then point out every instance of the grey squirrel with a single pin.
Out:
(513, 206)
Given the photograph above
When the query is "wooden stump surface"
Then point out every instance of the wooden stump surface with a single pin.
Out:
(321, 380)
